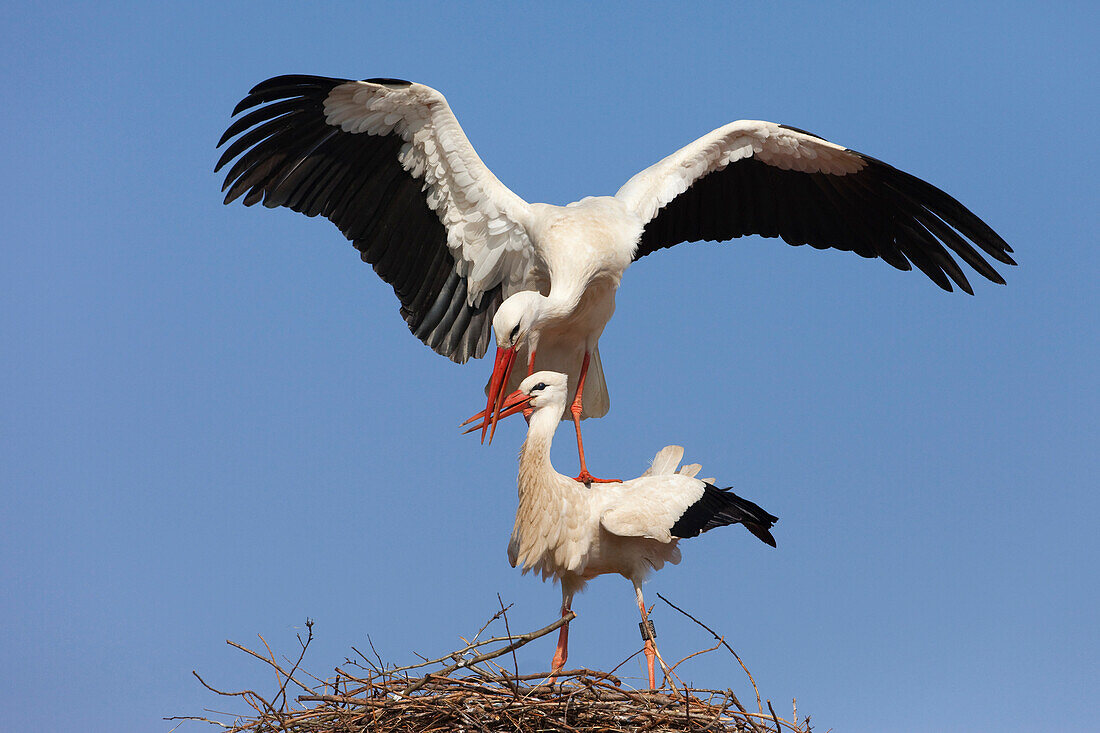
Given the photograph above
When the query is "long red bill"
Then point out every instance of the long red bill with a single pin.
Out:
(500, 393)
(510, 405)
(513, 403)
(502, 370)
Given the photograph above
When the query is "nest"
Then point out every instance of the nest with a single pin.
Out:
(467, 690)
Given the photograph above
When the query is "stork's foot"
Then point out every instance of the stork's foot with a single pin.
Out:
(586, 478)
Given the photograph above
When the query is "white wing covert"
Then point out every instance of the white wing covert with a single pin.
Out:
(755, 177)
(386, 161)
(648, 506)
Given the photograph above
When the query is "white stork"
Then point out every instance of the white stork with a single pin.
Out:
(572, 533)
(387, 162)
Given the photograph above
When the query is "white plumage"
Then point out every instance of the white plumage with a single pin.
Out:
(571, 532)
(387, 162)
(484, 233)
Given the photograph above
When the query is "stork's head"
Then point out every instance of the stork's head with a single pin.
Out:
(515, 324)
(540, 391)
(516, 319)
(543, 390)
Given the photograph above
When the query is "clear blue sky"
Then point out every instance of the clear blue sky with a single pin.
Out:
(213, 422)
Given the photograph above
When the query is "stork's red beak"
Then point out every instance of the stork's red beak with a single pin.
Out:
(513, 403)
(510, 405)
(502, 370)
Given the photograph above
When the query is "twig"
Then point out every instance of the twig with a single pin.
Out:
(572, 673)
(458, 653)
(265, 660)
(620, 664)
(220, 692)
(290, 674)
(364, 658)
(508, 631)
(271, 654)
(721, 709)
(247, 695)
(701, 651)
(494, 617)
(182, 718)
(520, 641)
(744, 712)
(377, 656)
(722, 641)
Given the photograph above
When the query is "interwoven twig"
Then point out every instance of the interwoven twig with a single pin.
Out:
(486, 697)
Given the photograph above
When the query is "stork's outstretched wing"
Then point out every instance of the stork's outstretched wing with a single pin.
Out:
(753, 177)
(387, 162)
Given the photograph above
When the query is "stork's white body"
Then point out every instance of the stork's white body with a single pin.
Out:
(583, 249)
(572, 533)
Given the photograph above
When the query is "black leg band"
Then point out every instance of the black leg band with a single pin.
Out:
(648, 632)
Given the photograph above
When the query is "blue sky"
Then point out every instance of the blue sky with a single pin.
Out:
(214, 423)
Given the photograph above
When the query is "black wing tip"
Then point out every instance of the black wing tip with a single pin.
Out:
(721, 507)
(222, 141)
(387, 82)
(947, 208)
(762, 533)
(286, 86)
(290, 86)
(296, 80)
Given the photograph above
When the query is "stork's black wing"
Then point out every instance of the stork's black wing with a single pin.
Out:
(386, 162)
(761, 178)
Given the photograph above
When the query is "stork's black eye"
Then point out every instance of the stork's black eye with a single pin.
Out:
(515, 332)
(537, 387)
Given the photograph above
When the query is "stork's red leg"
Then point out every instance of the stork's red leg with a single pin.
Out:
(650, 647)
(561, 653)
(584, 476)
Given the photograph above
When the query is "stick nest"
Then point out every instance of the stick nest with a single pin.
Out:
(467, 691)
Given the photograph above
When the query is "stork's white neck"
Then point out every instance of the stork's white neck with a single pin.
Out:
(537, 477)
(549, 533)
(559, 305)
(534, 457)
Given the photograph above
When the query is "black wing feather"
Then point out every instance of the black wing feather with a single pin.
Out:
(720, 507)
(878, 211)
(287, 155)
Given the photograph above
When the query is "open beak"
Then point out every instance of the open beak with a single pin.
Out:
(510, 405)
(502, 370)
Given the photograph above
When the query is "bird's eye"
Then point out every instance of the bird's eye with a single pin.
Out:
(515, 332)
(537, 387)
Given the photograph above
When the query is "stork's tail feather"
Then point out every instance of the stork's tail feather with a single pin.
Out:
(666, 461)
(597, 401)
(719, 507)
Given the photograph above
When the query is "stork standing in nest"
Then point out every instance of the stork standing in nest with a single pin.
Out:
(386, 161)
(571, 532)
